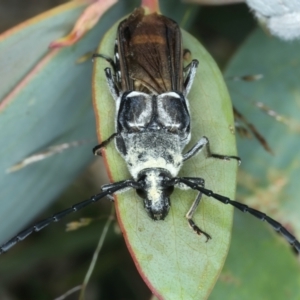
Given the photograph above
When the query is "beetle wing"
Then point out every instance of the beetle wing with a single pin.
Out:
(150, 53)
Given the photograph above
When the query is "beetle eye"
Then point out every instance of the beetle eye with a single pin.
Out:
(169, 190)
(141, 193)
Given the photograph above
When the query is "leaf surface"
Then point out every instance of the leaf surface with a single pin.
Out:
(173, 260)
(260, 263)
(46, 100)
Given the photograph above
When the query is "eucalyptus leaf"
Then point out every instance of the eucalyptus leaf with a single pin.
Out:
(175, 262)
(52, 106)
(260, 264)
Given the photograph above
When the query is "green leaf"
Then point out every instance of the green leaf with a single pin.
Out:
(46, 100)
(260, 263)
(172, 259)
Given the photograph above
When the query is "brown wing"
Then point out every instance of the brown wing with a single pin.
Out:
(150, 53)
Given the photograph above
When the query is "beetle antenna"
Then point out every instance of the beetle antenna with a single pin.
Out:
(114, 187)
(244, 208)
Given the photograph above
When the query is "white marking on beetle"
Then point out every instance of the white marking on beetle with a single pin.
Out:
(137, 94)
(170, 94)
(154, 193)
(150, 161)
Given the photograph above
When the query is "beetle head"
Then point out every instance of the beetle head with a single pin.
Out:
(155, 193)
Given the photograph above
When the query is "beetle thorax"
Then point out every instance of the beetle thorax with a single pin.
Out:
(158, 149)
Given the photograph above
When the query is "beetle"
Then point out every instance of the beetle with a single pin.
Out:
(150, 92)
(150, 87)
